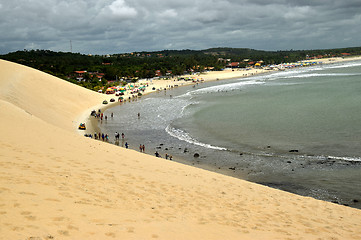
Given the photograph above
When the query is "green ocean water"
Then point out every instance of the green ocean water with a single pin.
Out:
(314, 110)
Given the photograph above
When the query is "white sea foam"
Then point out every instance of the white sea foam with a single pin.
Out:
(348, 159)
(343, 65)
(308, 75)
(225, 87)
(184, 136)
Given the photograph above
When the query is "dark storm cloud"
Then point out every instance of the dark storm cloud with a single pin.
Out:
(114, 26)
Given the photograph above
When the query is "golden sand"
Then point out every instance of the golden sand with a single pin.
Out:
(56, 184)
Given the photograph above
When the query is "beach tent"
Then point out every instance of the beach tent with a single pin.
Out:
(110, 91)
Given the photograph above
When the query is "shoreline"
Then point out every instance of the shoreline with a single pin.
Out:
(161, 85)
(221, 168)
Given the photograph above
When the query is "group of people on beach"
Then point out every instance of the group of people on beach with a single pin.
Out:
(99, 136)
(100, 115)
(167, 156)
(117, 136)
(142, 148)
(105, 137)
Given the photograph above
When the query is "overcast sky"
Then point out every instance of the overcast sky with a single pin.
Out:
(120, 26)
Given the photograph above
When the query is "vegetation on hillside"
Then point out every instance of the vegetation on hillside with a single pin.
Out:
(131, 66)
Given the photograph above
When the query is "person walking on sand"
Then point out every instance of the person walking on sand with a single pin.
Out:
(143, 148)
(123, 136)
(126, 145)
(140, 148)
(157, 154)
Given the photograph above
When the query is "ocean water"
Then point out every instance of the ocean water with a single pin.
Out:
(297, 130)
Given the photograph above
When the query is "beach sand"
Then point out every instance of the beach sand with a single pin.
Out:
(56, 184)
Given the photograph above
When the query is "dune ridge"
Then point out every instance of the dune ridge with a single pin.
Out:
(56, 184)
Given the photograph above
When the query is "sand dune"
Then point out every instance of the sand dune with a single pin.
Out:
(56, 184)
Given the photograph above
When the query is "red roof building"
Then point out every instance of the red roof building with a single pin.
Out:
(233, 64)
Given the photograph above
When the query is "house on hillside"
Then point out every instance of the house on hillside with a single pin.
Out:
(233, 65)
(158, 73)
(79, 75)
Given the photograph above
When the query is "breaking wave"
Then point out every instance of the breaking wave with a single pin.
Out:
(184, 136)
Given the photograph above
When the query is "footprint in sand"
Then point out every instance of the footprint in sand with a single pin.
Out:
(25, 213)
(28, 193)
(58, 219)
(64, 233)
(110, 234)
(52, 199)
(130, 229)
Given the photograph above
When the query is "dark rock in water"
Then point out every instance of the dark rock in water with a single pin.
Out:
(158, 147)
(196, 155)
(293, 150)
(268, 146)
(185, 150)
(232, 168)
(166, 149)
(179, 148)
(161, 144)
(241, 154)
(355, 201)
(289, 162)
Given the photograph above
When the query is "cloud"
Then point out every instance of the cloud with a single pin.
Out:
(118, 10)
(113, 26)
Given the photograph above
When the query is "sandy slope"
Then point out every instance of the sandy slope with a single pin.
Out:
(55, 184)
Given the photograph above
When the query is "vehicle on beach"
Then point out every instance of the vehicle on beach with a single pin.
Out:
(82, 126)
(105, 102)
